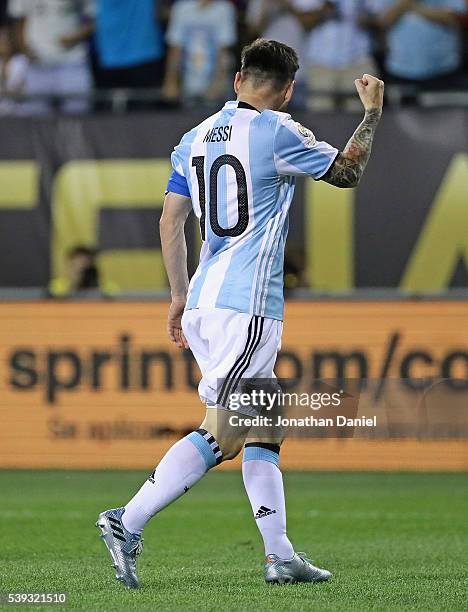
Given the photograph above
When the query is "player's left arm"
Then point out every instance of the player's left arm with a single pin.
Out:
(350, 164)
(174, 249)
(297, 152)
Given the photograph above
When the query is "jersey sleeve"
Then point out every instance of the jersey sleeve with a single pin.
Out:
(178, 184)
(298, 153)
(179, 181)
(178, 157)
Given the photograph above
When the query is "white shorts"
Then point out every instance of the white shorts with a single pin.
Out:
(230, 346)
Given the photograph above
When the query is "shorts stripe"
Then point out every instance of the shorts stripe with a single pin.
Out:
(243, 363)
(238, 360)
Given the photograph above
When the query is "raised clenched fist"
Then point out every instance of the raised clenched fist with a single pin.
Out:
(371, 91)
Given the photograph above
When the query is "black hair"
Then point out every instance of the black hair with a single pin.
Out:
(269, 61)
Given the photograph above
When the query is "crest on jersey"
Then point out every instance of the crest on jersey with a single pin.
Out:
(308, 135)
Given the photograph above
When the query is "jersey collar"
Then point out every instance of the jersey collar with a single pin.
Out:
(240, 104)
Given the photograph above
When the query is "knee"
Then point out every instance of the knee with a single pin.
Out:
(229, 439)
(231, 447)
(225, 447)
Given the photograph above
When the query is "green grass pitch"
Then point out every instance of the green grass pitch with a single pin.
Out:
(393, 541)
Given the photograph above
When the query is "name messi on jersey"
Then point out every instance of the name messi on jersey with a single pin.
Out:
(219, 134)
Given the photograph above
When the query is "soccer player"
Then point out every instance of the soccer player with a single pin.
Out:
(237, 171)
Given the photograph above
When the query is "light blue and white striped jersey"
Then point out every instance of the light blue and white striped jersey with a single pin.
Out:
(240, 167)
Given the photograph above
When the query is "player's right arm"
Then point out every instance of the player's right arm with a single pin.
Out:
(174, 249)
(350, 164)
(177, 207)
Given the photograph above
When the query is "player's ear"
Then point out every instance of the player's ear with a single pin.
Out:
(237, 82)
(285, 95)
(289, 91)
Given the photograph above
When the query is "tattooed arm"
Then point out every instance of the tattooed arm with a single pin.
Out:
(349, 165)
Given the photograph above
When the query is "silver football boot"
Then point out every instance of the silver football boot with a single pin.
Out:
(123, 546)
(297, 569)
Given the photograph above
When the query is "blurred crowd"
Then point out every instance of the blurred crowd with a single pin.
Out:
(61, 54)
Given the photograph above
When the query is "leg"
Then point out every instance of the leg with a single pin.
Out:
(264, 485)
(263, 482)
(183, 466)
(210, 335)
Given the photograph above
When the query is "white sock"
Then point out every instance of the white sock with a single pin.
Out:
(182, 466)
(264, 485)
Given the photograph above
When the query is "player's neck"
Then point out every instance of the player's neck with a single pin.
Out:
(259, 103)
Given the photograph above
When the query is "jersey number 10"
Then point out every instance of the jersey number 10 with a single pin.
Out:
(242, 196)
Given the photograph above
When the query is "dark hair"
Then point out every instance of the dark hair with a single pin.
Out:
(269, 61)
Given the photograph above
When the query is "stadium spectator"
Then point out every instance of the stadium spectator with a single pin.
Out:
(51, 33)
(200, 36)
(294, 270)
(272, 19)
(275, 20)
(82, 273)
(13, 69)
(423, 41)
(338, 48)
(129, 43)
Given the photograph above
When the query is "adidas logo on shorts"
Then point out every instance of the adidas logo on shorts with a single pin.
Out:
(264, 511)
